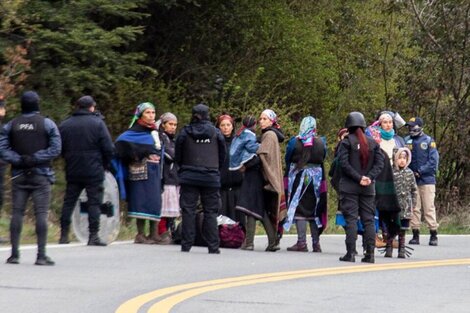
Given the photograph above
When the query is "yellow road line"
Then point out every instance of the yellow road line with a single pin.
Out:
(186, 291)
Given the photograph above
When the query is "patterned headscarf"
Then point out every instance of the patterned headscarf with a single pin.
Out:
(139, 110)
(223, 117)
(308, 130)
(166, 117)
(272, 117)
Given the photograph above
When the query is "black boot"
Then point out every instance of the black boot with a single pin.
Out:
(401, 245)
(350, 255)
(369, 256)
(415, 239)
(433, 238)
(44, 260)
(94, 240)
(389, 248)
(64, 236)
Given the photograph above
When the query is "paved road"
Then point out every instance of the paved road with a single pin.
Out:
(125, 278)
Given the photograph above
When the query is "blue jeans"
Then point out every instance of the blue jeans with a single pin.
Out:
(39, 188)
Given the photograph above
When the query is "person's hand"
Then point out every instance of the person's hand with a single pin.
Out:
(28, 161)
(242, 169)
(416, 174)
(154, 157)
(365, 181)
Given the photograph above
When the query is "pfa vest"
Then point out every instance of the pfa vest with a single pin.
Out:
(28, 135)
(201, 152)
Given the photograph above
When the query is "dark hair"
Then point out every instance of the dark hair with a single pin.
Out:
(306, 154)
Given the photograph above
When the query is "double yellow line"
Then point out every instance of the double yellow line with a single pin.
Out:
(180, 293)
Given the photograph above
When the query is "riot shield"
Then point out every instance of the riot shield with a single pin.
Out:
(109, 219)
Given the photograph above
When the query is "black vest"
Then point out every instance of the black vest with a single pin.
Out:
(28, 135)
(201, 152)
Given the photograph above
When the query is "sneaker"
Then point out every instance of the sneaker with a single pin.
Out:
(272, 248)
(45, 260)
(247, 247)
(298, 248)
(13, 260)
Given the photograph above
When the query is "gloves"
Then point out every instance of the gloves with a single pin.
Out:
(28, 161)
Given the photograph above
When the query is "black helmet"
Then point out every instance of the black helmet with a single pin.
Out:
(355, 119)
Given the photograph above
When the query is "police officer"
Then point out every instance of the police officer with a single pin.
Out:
(200, 153)
(3, 164)
(88, 149)
(424, 163)
(361, 162)
(29, 143)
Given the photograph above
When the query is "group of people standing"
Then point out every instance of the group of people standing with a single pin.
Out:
(381, 176)
(227, 171)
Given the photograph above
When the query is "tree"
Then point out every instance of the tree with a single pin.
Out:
(438, 84)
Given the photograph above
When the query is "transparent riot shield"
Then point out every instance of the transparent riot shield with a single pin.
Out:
(109, 219)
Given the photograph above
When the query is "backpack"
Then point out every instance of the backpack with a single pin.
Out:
(231, 235)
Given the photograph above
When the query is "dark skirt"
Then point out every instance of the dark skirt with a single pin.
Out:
(145, 197)
(229, 198)
(251, 198)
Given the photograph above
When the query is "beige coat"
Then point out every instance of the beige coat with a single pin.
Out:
(269, 153)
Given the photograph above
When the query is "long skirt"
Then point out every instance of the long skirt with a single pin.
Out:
(171, 201)
(145, 200)
(251, 198)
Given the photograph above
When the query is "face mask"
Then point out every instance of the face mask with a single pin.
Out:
(415, 131)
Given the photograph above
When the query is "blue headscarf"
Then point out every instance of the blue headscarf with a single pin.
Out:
(308, 130)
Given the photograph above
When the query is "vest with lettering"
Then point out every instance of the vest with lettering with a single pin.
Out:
(28, 135)
(201, 152)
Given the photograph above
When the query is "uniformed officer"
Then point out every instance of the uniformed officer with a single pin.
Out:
(29, 143)
(424, 164)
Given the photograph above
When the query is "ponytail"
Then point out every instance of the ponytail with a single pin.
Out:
(363, 147)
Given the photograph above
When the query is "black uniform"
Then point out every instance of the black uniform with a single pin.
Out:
(357, 200)
(87, 149)
(200, 153)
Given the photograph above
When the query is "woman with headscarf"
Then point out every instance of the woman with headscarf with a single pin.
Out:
(167, 125)
(306, 196)
(361, 162)
(230, 181)
(139, 151)
(383, 132)
(262, 186)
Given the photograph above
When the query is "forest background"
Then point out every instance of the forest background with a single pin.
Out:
(323, 58)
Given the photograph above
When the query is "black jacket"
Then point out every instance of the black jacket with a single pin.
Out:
(86, 146)
(170, 168)
(229, 179)
(351, 170)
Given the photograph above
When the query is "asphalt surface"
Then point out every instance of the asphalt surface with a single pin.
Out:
(126, 277)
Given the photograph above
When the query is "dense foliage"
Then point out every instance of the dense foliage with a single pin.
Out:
(323, 58)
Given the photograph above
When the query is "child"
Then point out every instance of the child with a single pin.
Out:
(407, 193)
(244, 145)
